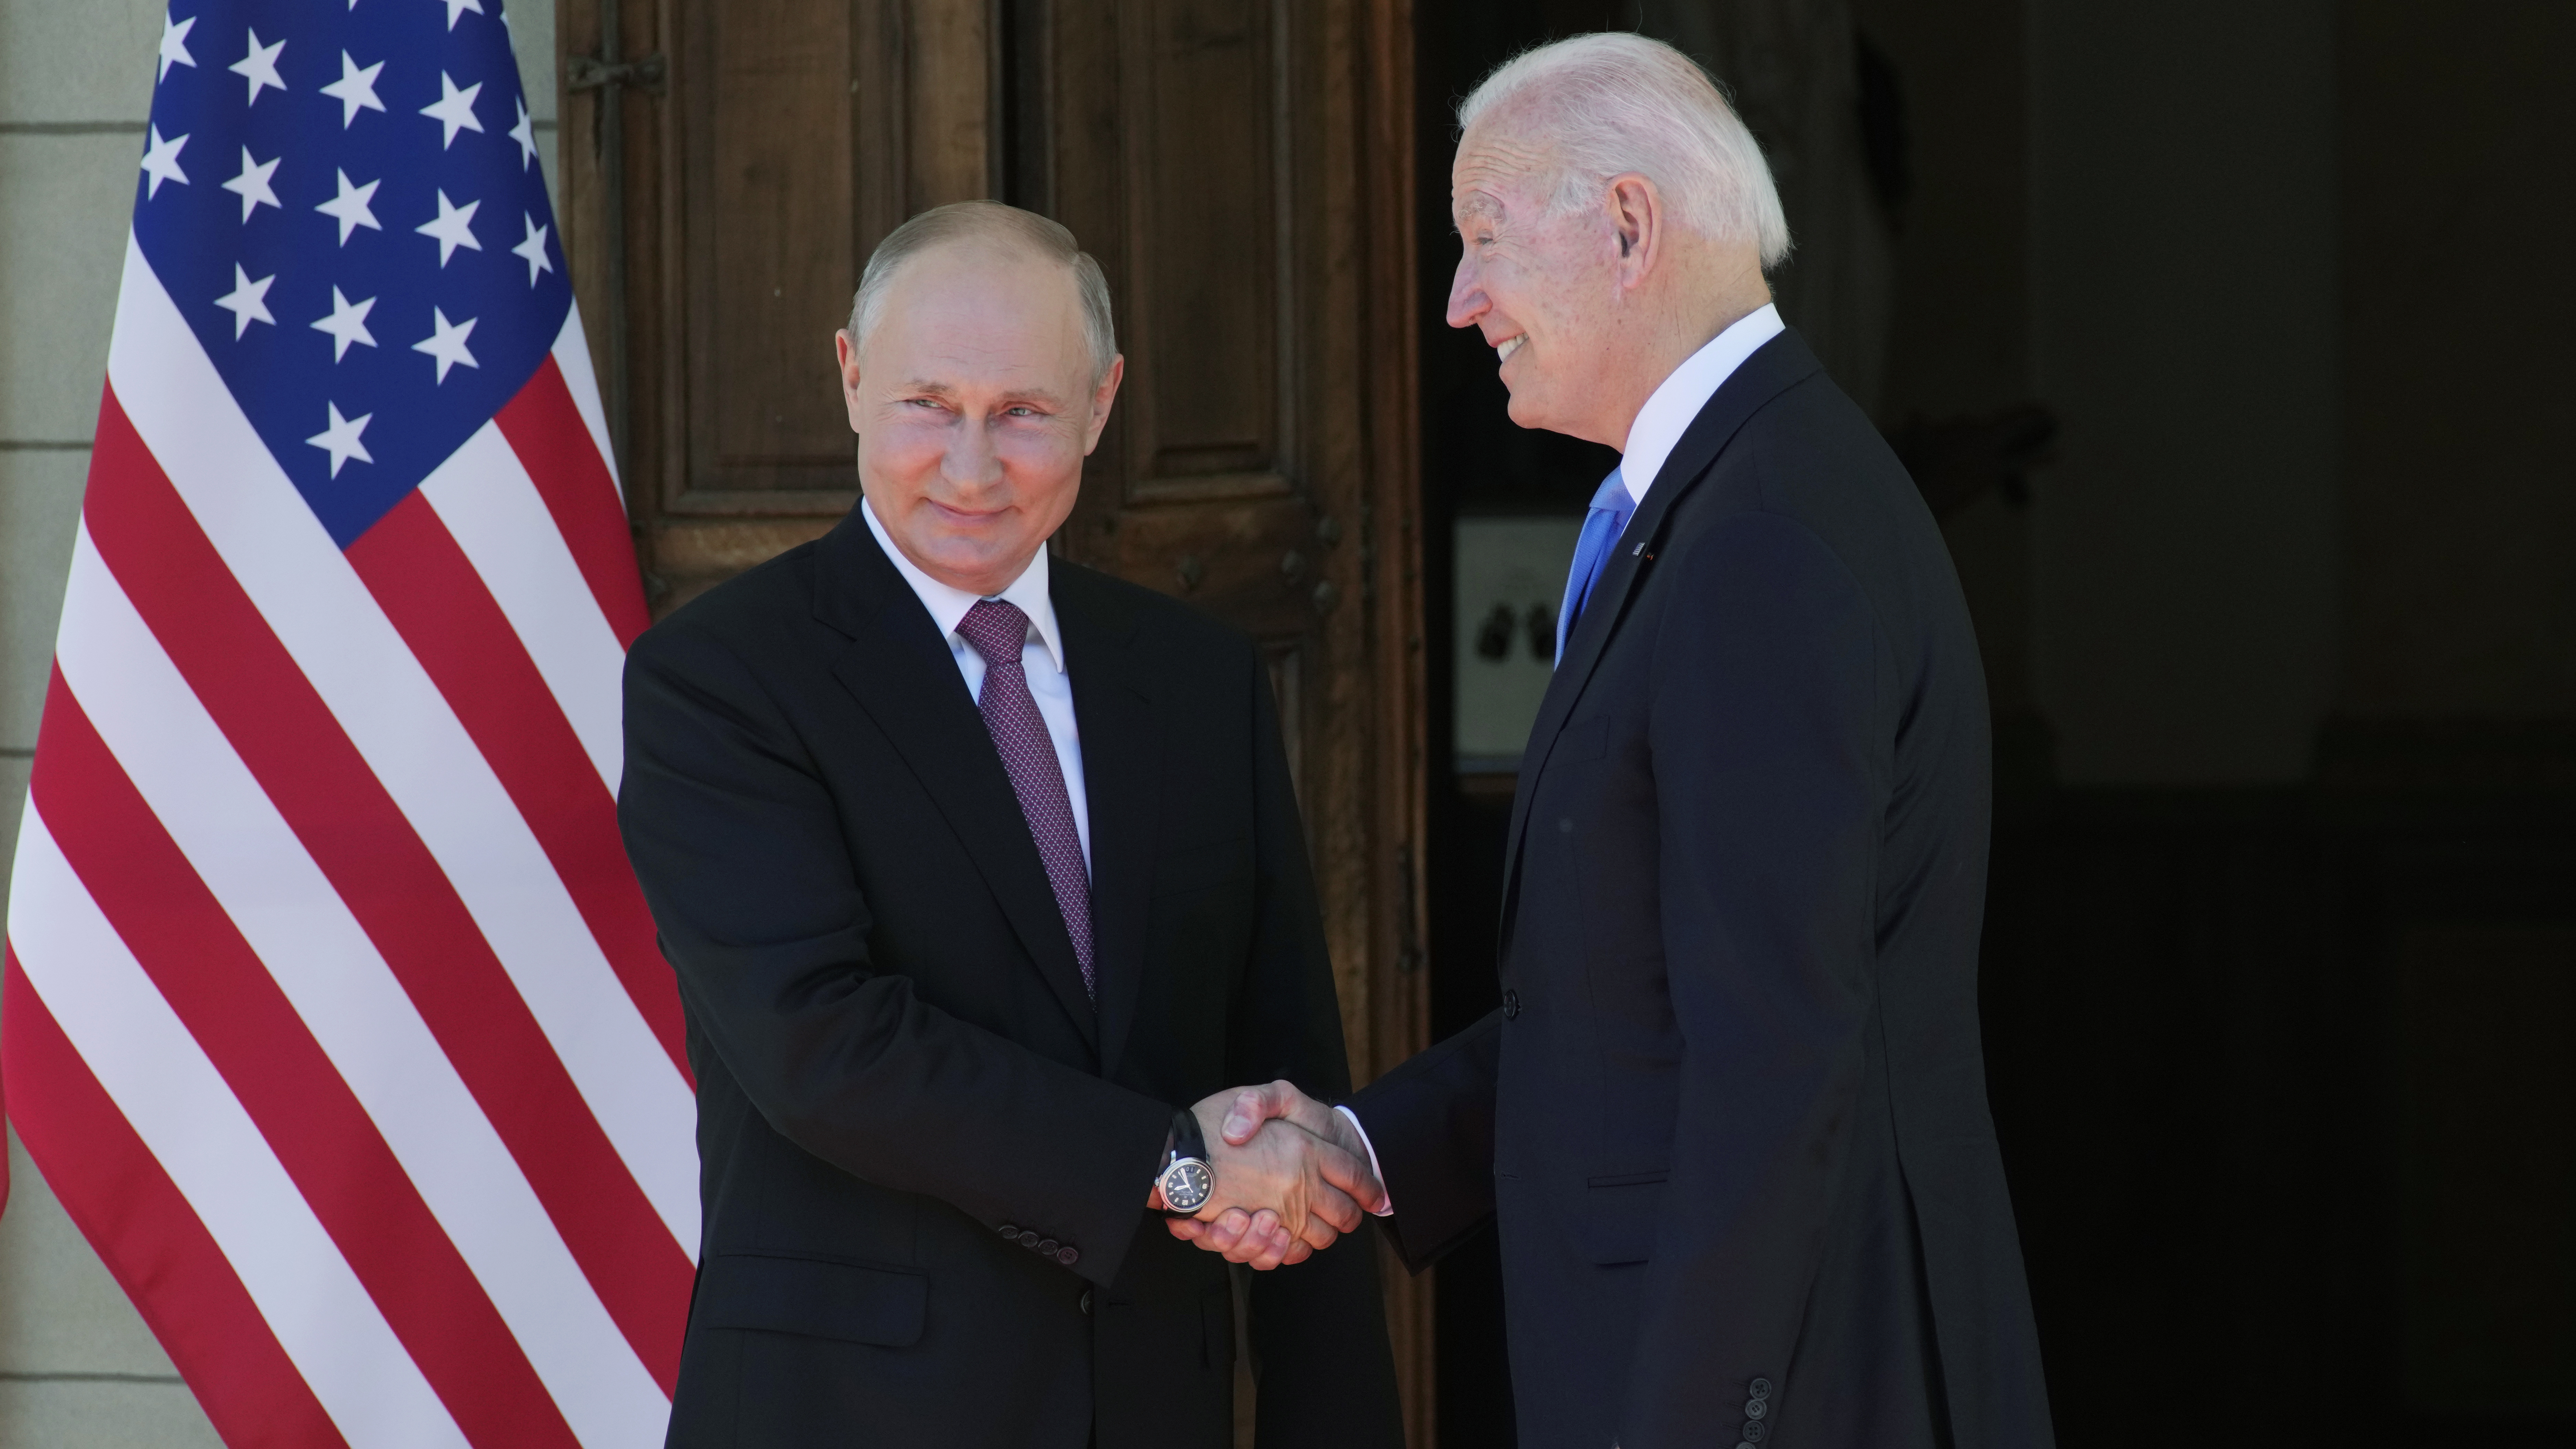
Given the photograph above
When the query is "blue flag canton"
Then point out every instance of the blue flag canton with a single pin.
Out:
(345, 202)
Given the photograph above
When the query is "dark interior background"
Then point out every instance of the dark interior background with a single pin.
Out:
(2231, 344)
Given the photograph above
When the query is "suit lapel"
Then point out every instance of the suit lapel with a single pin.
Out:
(1770, 371)
(902, 674)
(1122, 739)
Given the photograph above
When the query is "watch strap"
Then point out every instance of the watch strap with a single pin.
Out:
(1187, 1139)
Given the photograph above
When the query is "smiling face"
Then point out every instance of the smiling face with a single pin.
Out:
(1544, 288)
(975, 404)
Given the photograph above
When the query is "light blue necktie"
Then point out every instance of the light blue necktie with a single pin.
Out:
(1601, 528)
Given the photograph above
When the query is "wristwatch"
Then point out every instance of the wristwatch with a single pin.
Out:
(1185, 1178)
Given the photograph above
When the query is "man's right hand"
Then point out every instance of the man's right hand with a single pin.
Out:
(1246, 1229)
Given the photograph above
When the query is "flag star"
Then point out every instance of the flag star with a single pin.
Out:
(346, 324)
(454, 9)
(451, 228)
(252, 184)
(534, 248)
(350, 207)
(161, 162)
(260, 67)
(340, 440)
(355, 90)
(525, 133)
(447, 343)
(248, 302)
(174, 45)
(454, 109)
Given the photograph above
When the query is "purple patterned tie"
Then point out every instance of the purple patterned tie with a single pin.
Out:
(999, 631)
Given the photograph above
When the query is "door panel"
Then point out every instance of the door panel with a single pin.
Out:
(771, 240)
(1201, 101)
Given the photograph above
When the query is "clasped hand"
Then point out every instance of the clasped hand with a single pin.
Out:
(1291, 1176)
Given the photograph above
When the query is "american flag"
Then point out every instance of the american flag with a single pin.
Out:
(333, 1013)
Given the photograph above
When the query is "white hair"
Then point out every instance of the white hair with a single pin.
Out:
(993, 223)
(1616, 102)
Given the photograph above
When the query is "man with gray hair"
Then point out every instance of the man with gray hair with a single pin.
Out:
(1731, 1114)
(982, 877)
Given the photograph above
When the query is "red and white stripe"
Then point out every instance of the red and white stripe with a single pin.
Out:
(334, 1015)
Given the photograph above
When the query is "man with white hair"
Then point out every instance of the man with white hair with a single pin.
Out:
(1731, 1113)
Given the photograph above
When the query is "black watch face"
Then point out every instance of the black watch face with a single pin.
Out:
(1187, 1184)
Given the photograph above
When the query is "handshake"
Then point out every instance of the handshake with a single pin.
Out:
(1291, 1176)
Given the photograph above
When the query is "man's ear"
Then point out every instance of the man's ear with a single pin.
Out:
(847, 353)
(1637, 216)
(1101, 397)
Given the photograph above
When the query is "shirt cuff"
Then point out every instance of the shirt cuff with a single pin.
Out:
(1387, 1211)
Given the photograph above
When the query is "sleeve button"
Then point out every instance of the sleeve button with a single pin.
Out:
(1011, 1231)
(1067, 1255)
(1761, 1388)
(1754, 1430)
(1028, 1239)
(1046, 1247)
(1756, 1408)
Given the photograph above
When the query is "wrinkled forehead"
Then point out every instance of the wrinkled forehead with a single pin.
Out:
(981, 265)
(955, 320)
(1009, 308)
(1497, 167)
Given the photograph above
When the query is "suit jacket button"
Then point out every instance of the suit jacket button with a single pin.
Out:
(1761, 1388)
(1756, 1408)
(1068, 1255)
(1511, 1005)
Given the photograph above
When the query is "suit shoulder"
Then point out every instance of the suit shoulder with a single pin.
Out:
(1811, 456)
(1814, 443)
(749, 607)
(1172, 625)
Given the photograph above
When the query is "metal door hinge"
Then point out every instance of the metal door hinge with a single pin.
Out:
(589, 73)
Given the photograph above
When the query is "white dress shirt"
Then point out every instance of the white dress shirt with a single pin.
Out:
(1674, 406)
(1669, 411)
(1041, 656)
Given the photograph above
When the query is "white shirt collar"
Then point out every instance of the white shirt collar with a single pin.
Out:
(1675, 405)
(948, 605)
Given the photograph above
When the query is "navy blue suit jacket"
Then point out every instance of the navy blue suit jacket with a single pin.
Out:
(1732, 1113)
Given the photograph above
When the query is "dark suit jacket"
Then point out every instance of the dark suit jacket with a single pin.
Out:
(1732, 1113)
(925, 1154)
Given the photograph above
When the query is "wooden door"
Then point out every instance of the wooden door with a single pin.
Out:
(1241, 168)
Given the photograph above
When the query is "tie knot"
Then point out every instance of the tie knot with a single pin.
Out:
(996, 629)
(1612, 496)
